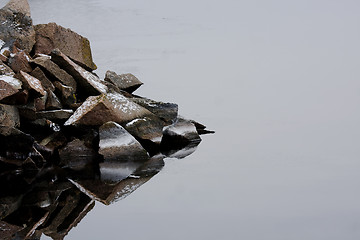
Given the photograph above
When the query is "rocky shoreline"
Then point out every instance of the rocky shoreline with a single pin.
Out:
(67, 136)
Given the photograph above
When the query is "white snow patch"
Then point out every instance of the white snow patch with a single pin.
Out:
(123, 104)
(1, 43)
(93, 80)
(89, 103)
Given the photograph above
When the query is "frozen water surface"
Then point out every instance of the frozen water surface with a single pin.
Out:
(278, 81)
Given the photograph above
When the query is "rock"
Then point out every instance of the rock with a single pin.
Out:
(201, 128)
(9, 116)
(53, 102)
(46, 83)
(14, 140)
(148, 128)
(5, 70)
(8, 205)
(40, 102)
(116, 144)
(89, 83)
(54, 141)
(55, 72)
(8, 86)
(28, 111)
(180, 134)
(9, 230)
(16, 25)
(68, 97)
(76, 155)
(97, 110)
(32, 84)
(50, 36)
(126, 82)
(166, 111)
(20, 62)
(61, 114)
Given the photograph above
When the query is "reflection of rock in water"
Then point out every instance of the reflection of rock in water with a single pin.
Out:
(69, 138)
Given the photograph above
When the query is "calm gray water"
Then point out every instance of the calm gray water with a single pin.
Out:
(279, 83)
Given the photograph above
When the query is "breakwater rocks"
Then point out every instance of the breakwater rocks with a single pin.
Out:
(69, 138)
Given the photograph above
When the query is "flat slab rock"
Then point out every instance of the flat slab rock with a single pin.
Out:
(97, 110)
(9, 86)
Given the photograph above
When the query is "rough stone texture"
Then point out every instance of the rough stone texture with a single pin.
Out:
(30, 83)
(97, 110)
(13, 139)
(8, 86)
(166, 111)
(61, 114)
(16, 25)
(117, 144)
(126, 82)
(50, 36)
(9, 230)
(20, 62)
(9, 116)
(148, 128)
(5, 70)
(53, 102)
(40, 102)
(67, 94)
(46, 83)
(180, 134)
(89, 83)
(55, 72)
(76, 155)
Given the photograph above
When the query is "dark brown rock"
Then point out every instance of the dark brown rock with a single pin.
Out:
(126, 82)
(32, 84)
(97, 110)
(50, 36)
(40, 102)
(61, 114)
(67, 94)
(53, 102)
(76, 155)
(89, 83)
(16, 25)
(8, 231)
(55, 72)
(5, 69)
(20, 62)
(15, 140)
(9, 116)
(46, 83)
(54, 141)
(166, 111)
(148, 128)
(9, 86)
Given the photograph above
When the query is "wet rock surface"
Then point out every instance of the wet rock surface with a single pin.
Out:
(69, 138)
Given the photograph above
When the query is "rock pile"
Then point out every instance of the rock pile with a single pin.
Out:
(69, 137)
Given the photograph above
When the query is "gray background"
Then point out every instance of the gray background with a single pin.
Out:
(277, 80)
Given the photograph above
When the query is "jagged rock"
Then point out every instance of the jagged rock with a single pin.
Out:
(9, 86)
(16, 25)
(126, 82)
(61, 114)
(201, 128)
(20, 62)
(97, 110)
(54, 141)
(68, 96)
(50, 36)
(46, 83)
(5, 69)
(148, 128)
(8, 205)
(30, 83)
(40, 102)
(116, 144)
(180, 134)
(53, 102)
(88, 82)
(55, 72)
(166, 111)
(76, 155)
(9, 116)
(28, 111)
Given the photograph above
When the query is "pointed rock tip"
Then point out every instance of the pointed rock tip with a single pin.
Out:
(19, 6)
